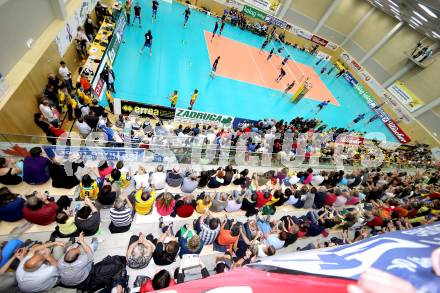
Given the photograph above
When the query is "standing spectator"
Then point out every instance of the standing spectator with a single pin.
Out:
(74, 267)
(89, 27)
(137, 13)
(65, 74)
(48, 112)
(83, 128)
(128, 11)
(87, 219)
(36, 167)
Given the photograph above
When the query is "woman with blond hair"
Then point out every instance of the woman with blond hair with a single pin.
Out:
(192, 245)
(204, 204)
(165, 204)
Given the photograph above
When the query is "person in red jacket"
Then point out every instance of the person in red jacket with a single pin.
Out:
(39, 210)
(263, 198)
(161, 280)
(184, 207)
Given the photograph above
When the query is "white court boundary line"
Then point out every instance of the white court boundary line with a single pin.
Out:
(256, 65)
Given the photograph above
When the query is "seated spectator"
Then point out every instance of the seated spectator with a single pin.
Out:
(121, 215)
(174, 177)
(106, 197)
(219, 202)
(310, 198)
(165, 204)
(104, 169)
(40, 210)
(234, 202)
(139, 252)
(8, 278)
(121, 180)
(61, 176)
(144, 201)
(88, 188)
(142, 178)
(204, 203)
(75, 266)
(319, 200)
(203, 179)
(190, 244)
(161, 280)
(217, 179)
(36, 167)
(263, 198)
(38, 271)
(228, 237)
(165, 253)
(243, 179)
(7, 250)
(66, 225)
(11, 206)
(229, 175)
(249, 204)
(190, 183)
(88, 218)
(184, 207)
(10, 172)
(341, 198)
(158, 178)
(207, 228)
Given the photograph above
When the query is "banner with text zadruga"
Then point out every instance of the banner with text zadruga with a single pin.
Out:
(204, 118)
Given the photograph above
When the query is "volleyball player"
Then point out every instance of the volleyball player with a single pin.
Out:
(187, 13)
(266, 41)
(373, 118)
(357, 119)
(281, 75)
(174, 98)
(270, 54)
(289, 87)
(321, 106)
(193, 99)
(154, 6)
(137, 13)
(215, 30)
(148, 42)
(214, 67)
(285, 60)
(323, 69)
(222, 26)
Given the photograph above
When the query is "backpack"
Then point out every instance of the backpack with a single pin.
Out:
(105, 273)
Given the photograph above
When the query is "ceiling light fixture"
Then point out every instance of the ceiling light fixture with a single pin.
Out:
(416, 20)
(414, 23)
(393, 3)
(395, 10)
(427, 10)
(436, 35)
(413, 26)
(420, 16)
(378, 3)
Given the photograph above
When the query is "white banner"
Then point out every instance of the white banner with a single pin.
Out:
(204, 118)
(301, 32)
(269, 6)
(68, 33)
(376, 87)
(405, 96)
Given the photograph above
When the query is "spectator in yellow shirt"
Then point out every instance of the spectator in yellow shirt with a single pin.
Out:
(204, 204)
(193, 99)
(144, 201)
(173, 99)
(109, 100)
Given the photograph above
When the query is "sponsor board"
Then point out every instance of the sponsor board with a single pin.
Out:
(405, 96)
(300, 32)
(255, 13)
(405, 254)
(192, 116)
(277, 22)
(116, 41)
(349, 77)
(269, 6)
(319, 40)
(375, 86)
(240, 122)
(144, 110)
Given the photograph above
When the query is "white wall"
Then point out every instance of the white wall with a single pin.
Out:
(19, 21)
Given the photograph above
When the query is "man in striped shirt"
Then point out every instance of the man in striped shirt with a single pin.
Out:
(121, 215)
(207, 228)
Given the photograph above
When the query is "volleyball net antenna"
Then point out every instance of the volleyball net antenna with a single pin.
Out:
(302, 74)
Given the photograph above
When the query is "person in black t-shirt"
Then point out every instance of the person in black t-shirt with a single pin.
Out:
(148, 42)
(154, 6)
(137, 13)
(187, 13)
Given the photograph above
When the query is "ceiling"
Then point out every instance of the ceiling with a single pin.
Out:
(404, 10)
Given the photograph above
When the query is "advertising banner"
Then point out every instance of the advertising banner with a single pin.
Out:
(375, 86)
(277, 22)
(191, 116)
(348, 77)
(405, 254)
(255, 13)
(319, 40)
(301, 32)
(113, 47)
(240, 122)
(145, 110)
(68, 33)
(386, 119)
(269, 6)
(405, 96)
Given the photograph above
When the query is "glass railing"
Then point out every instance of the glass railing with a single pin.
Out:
(191, 151)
